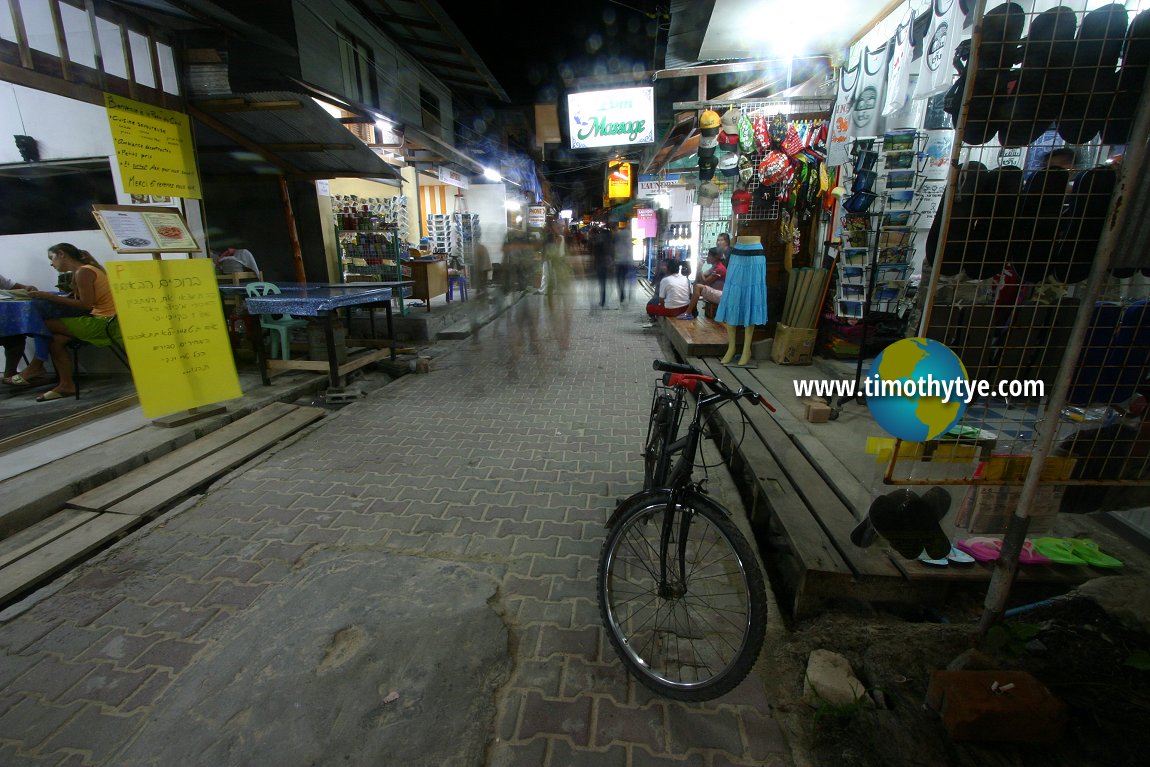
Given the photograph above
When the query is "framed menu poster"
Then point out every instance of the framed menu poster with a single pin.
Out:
(140, 229)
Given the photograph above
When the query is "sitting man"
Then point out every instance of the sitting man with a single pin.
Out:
(709, 287)
(672, 299)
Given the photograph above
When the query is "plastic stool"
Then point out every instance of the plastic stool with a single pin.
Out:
(461, 281)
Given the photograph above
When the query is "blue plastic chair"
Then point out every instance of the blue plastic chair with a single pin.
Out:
(458, 278)
(281, 325)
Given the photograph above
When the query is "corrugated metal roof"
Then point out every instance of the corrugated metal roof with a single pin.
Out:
(278, 132)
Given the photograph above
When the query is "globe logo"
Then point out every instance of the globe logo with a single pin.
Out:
(907, 385)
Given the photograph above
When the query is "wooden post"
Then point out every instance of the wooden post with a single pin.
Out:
(293, 234)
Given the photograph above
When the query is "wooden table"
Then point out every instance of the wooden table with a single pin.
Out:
(323, 301)
(430, 278)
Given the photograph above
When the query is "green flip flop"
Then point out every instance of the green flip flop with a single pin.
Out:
(1058, 550)
(1088, 550)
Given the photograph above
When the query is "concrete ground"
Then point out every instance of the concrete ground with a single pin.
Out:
(410, 581)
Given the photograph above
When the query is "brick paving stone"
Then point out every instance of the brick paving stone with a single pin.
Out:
(233, 569)
(234, 595)
(174, 654)
(148, 693)
(530, 587)
(532, 754)
(691, 729)
(586, 676)
(93, 732)
(643, 758)
(570, 567)
(285, 552)
(645, 726)
(118, 647)
(182, 621)
(542, 676)
(51, 677)
(184, 593)
(581, 642)
(552, 718)
(534, 611)
(30, 722)
(70, 641)
(315, 535)
(563, 755)
(751, 692)
(82, 608)
(530, 544)
(763, 735)
(107, 684)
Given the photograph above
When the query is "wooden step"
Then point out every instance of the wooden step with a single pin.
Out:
(103, 497)
(38, 565)
(180, 483)
(29, 539)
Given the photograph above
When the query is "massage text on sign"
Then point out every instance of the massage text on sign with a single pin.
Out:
(153, 149)
(611, 118)
(175, 334)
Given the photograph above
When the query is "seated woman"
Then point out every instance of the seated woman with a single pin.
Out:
(91, 294)
(709, 287)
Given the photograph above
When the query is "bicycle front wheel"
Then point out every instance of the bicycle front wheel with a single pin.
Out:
(689, 624)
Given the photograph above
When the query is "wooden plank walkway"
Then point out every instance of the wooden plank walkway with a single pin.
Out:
(105, 513)
(799, 498)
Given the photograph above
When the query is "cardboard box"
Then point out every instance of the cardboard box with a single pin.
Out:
(818, 411)
(793, 346)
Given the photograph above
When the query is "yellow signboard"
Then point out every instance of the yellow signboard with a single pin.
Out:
(153, 149)
(174, 331)
(619, 180)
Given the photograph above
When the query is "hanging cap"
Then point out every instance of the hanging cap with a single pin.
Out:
(730, 120)
(741, 201)
(729, 164)
(709, 119)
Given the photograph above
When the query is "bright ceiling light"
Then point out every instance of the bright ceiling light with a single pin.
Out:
(513, 205)
(492, 175)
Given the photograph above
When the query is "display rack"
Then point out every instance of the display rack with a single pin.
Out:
(369, 241)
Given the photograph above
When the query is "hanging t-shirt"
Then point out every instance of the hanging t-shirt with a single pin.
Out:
(936, 72)
(866, 115)
(898, 71)
(838, 135)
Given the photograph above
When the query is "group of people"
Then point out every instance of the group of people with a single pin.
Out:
(85, 314)
(612, 252)
(674, 294)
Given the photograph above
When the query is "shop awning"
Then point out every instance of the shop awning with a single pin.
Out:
(279, 133)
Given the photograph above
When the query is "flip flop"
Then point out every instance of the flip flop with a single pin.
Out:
(1030, 556)
(1086, 549)
(19, 380)
(926, 559)
(52, 394)
(1058, 550)
(981, 549)
(959, 557)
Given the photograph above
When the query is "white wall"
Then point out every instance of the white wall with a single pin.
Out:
(489, 201)
(64, 129)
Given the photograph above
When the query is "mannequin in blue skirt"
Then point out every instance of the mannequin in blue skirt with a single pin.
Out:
(744, 301)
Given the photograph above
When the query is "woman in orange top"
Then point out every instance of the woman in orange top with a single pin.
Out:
(91, 293)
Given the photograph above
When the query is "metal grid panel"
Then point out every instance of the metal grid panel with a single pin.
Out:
(1017, 258)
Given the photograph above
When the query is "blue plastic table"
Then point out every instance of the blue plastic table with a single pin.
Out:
(322, 301)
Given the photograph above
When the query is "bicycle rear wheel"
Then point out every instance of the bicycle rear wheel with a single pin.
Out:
(696, 636)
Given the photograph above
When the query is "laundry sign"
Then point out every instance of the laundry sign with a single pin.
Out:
(619, 117)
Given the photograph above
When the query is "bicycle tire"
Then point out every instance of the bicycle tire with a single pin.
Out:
(656, 462)
(649, 630)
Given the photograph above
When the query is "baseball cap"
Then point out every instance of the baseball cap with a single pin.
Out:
(728, 142)
(730, 120)
(729, 164)
(709, 142)
(773, 170)
(708, 193)
(741, 201)
(709, 119)
(707, 167)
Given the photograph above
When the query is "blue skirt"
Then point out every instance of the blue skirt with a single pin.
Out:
(744, 300)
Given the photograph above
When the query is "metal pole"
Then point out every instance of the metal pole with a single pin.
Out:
(1006, 566)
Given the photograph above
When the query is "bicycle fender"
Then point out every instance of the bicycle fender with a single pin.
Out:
(644, 497)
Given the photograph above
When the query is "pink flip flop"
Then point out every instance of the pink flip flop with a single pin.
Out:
(1030, 556)
(982, 549)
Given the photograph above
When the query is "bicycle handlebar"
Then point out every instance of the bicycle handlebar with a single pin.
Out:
(680, 374)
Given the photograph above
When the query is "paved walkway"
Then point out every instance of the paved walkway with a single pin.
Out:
(409, 582)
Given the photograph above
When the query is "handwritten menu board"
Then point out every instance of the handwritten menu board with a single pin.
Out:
(135, 229)
(153, 149)
(175, 333)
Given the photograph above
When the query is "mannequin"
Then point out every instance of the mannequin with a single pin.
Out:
(744, 302)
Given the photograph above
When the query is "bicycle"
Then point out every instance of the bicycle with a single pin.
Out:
(680, 590)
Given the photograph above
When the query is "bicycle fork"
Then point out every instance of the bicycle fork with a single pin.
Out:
(678, 588)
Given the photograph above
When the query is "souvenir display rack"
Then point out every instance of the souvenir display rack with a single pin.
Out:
(453, 234)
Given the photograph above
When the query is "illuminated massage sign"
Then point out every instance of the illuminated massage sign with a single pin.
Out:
(620, 117)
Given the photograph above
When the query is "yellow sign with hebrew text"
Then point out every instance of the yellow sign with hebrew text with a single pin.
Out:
(174, 331)
(153, 149)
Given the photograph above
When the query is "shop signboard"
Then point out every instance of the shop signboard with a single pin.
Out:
(646, 222)
(175, 334)
(619, 180)
(455, 178)
(618, 117)
(139, 229)
(649, 188)
(536, 216)
(153, 149)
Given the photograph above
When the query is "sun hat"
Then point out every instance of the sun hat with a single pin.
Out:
(909, 523)
(730, 120)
